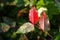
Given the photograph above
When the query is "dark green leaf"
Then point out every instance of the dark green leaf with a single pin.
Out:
(9, 21)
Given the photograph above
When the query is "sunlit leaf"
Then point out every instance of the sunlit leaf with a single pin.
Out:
(33, 15)
(40, 3)
(25, 28)
(32, 2)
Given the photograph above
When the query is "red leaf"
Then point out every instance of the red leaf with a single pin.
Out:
(33, 15)
(44, 22)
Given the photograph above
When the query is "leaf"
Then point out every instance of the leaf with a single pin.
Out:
(13, 35)
(40, 3)
(45, 1)
(26, 2)
(13, 24)
(4, 27)
(44, 22)
(20, 13)
(21, 3)
(57, 4)
(40, 10)
(9, 21)
(25, 28)
(33, 15)
(32, 2)
(23, 37)
(11, 3)
(57, 37)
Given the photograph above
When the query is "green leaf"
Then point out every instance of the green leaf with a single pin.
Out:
(26, 2)
(39, 4)
(25, 28)
(32, 2)
(20, 3)
(13, 35)
(57, 37)
(57, 4)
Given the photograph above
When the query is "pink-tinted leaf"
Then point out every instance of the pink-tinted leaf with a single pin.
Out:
(33, 15)
(44, 22)
(4, 27)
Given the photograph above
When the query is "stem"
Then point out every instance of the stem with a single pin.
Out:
(49, 34)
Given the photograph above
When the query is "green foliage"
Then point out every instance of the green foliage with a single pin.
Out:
(10, 23)
(57, 37)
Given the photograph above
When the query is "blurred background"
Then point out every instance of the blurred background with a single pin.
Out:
(14, 13)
